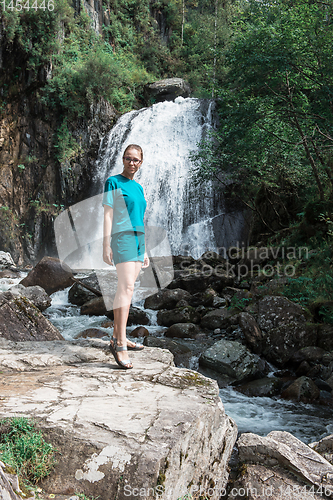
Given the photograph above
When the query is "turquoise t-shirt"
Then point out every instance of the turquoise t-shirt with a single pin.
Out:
(127, 199)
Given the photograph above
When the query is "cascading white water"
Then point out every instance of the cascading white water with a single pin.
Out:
(168, 132)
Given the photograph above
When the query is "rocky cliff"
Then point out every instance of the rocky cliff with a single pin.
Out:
(34, 183)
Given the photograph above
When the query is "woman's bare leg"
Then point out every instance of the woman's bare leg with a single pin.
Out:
(127, 273)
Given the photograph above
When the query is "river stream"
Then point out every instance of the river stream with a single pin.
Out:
(260, 415)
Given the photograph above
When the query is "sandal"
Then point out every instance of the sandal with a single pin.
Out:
(136, 347)
(114, 348)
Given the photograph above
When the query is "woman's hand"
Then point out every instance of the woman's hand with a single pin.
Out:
(107, 255)
(145, 261)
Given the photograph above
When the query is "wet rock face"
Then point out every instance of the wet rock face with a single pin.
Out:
(155, 425)
(166, 299)
(50, 274)
(302, 389)
(179, 315)
(233, 359)
(97, 14)
(32, 179)
(36, 294)
(20, 320)
(288, 454)
(167, 90)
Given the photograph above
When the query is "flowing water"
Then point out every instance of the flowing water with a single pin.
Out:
(260, 415)
(195, 219)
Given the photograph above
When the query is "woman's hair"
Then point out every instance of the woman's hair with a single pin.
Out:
(134, 146)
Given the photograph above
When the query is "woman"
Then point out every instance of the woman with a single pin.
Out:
(124, 208)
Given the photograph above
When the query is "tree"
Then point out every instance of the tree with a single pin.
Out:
(276, 107)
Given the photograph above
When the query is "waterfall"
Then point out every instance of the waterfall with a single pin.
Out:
(168, 133)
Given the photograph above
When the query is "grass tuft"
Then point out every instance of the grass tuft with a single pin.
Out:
(24, 449)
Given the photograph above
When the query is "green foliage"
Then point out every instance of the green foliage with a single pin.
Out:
(86, 68)
(206, 36)
(35, 31)
(327, 218)
(276, 127)
(239, 303)
(67, 147)
(24, 449)
(84, 497)
(83, 66)
(313, 282)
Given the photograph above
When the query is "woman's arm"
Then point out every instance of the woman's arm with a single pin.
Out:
(107, 227)
(146, 260)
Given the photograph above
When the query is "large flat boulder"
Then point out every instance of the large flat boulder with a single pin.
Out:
(21, 320)
(155, 430)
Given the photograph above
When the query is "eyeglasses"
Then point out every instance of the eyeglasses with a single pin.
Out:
(134, 160)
